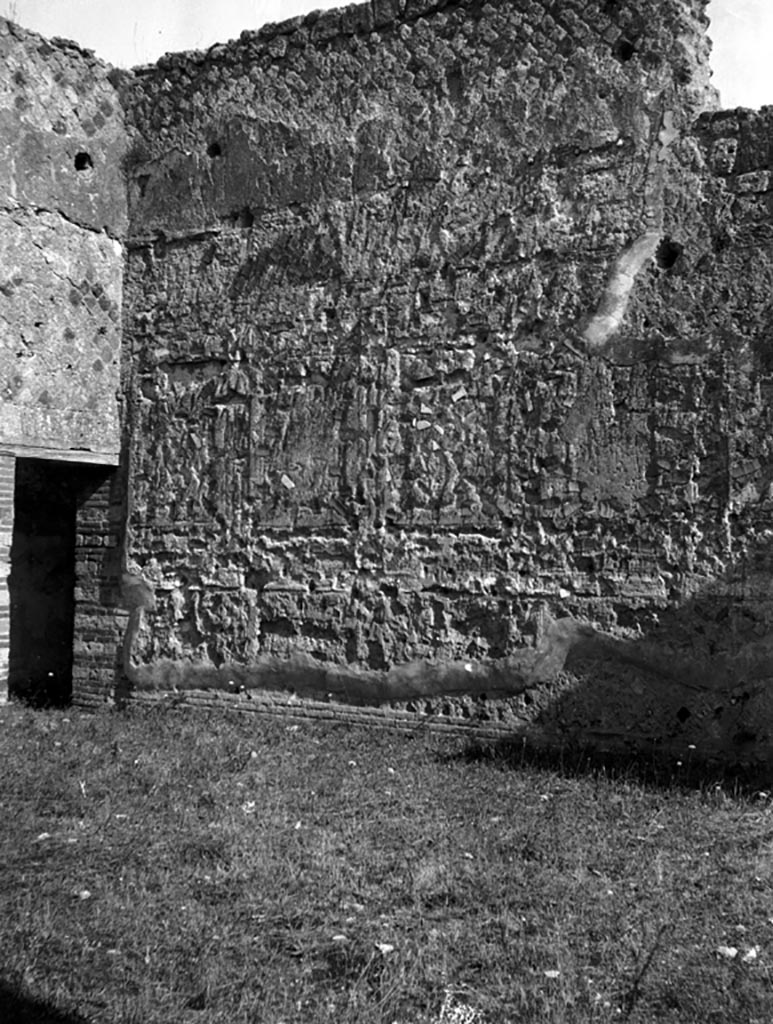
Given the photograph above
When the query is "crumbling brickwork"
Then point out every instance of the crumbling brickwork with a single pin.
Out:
(381, 265)
(446, 352)
(358, 254)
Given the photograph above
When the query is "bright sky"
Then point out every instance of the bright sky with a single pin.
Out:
(130, 32)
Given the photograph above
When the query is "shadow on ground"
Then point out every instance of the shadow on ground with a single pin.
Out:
(653, 771)
(19, 1008)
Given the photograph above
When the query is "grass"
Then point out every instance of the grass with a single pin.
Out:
(160, 867)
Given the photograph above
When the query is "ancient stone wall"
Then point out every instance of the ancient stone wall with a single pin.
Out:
(447, 333)
(422, 321)
(62, 218)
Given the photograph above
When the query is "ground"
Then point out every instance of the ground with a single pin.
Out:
(164, 865)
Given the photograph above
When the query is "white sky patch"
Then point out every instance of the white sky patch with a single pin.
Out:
(131, 32)
(742, 57)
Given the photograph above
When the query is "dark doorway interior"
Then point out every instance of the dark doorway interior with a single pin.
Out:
(42, 580)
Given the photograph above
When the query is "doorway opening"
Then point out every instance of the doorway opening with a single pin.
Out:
(41, 583)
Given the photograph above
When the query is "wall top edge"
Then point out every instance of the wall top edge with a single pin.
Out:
(45, 46)
(319, 27)
(323, 25)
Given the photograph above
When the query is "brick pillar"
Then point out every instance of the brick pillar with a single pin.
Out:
(99, 620)
(7, 475)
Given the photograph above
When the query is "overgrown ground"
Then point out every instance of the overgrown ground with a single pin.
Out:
(185, 868)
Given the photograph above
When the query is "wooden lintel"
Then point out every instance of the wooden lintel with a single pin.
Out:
(25, 451)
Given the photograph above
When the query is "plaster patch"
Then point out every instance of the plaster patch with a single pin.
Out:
(622, 278)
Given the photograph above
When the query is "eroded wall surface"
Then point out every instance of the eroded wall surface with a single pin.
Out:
(62, 218)
(446, 321)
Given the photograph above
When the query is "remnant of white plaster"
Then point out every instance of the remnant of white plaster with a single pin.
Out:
(622, 277)
(614, 303)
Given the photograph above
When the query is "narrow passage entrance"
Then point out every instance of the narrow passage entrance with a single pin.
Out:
(42, 579)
